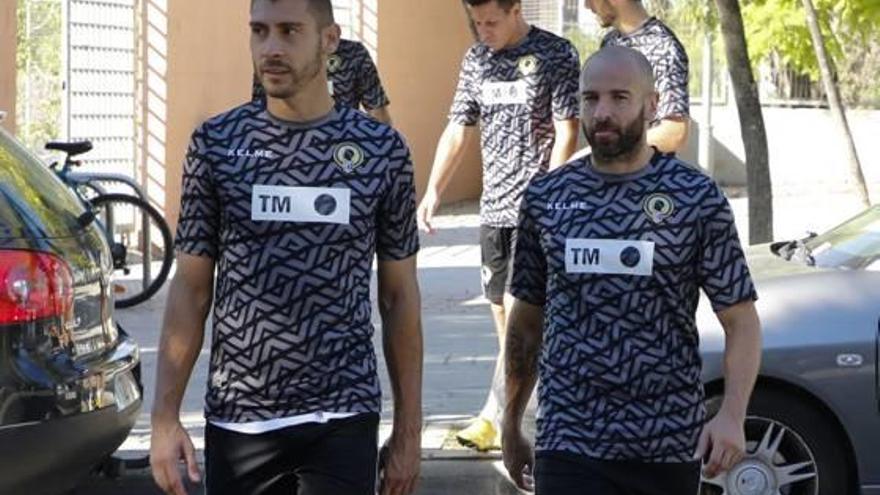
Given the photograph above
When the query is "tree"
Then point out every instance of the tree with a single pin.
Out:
(754, 134)
(780, 27)
(810, 37)
(833, 94)
(38, 63)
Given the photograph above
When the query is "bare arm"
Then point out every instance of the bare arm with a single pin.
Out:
(670, 135)
(382, 114)
(449, 155)
(522, 347)
(566, 142)
(742, 358)
(183, 331)
(400, 308)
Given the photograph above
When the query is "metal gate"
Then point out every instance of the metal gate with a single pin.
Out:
(359, 21)
(100, 57)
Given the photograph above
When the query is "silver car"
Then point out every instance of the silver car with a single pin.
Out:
(813, 425)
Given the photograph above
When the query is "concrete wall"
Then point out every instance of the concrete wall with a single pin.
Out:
(7, 62)
(199, 65)
(420, 53)
(806, 152)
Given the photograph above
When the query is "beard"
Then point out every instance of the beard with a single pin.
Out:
(296, 79)
(625, 143)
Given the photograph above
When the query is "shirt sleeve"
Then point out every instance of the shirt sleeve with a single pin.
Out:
(565, 81)
(671, 72)
(528, 281)
(397, 234)
(466, 105)
(723, 272)
(372, 93)
(199, 224)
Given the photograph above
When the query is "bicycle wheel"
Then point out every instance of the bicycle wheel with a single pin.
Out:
(140, 243)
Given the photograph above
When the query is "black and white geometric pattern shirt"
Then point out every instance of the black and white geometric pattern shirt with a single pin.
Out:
(352, 77)
(515, 95)
(293, 214)
(669, 59)
(617, 262)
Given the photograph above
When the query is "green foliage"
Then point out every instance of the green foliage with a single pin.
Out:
(38, 62)
(690, 19)
(777, 34)
(586, 43)
(778, 28)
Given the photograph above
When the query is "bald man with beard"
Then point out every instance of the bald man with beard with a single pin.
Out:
(612, 251)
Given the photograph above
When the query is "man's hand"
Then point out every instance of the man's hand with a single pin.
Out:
(399, 464)
(169, 443)
(519, 459)
(427, 209)
(725, 440)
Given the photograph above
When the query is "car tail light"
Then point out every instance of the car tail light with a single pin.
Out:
(33, 286)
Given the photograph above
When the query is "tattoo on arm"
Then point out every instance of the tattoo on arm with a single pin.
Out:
(522, 357)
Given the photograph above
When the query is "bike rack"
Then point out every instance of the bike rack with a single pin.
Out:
(94, 181)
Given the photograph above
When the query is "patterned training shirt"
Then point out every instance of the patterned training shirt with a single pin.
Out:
(617, 262)
(515, 95)
(668, 58)
(293, 215)
(352, 76)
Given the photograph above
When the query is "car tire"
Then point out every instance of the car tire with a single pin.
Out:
(809, 435)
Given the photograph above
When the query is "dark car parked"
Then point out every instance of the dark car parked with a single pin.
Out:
(69, 378)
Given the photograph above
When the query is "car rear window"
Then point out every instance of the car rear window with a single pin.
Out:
(33, 202)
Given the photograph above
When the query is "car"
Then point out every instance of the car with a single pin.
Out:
(813, 425)
(70, 388)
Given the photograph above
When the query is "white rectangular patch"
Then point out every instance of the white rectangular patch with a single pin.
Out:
(505, 93)
(609, 256)
(301, 204)
(330, 88)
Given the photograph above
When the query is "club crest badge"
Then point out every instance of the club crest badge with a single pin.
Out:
(528, 65)
(348, 156)
(334, 62)
(658, 207)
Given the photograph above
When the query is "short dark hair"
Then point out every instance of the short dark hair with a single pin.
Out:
(506, 5)
(321, 9)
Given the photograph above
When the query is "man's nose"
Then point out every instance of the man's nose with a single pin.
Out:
(272, 47)
(602, 110)
(483, 33)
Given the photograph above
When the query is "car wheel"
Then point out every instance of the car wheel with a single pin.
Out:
(792, 448)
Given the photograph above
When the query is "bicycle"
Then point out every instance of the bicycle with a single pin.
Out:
(129, 224)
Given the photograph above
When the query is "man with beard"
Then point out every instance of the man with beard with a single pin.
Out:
(517, 92)
(353, 81)
(612, 251)
(290, 201)
(632, 27)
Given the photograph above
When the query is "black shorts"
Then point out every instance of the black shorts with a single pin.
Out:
(336, 458)
(568, 474)
(496, 253)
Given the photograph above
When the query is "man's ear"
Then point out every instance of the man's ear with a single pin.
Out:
(330, 37)
(516, 9)
(651, 104)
